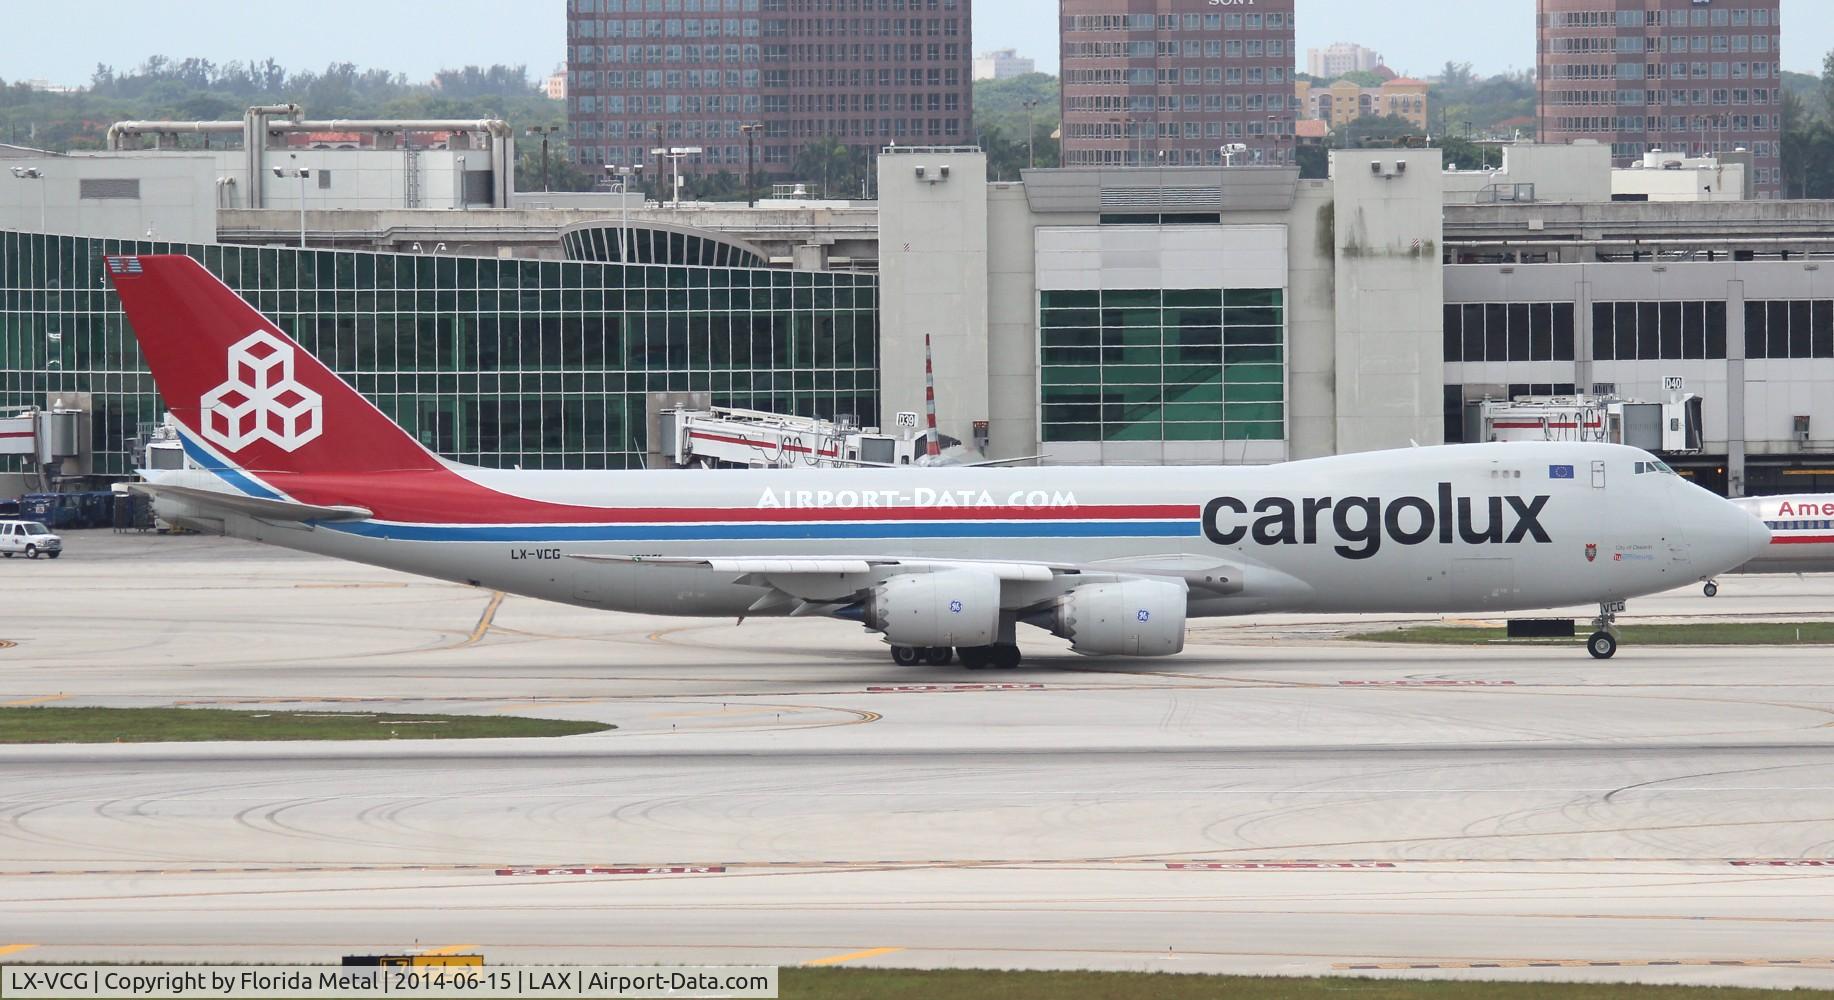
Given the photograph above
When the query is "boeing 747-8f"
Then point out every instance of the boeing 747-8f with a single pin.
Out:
(941, 562)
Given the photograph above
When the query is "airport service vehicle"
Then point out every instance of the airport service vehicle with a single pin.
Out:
(940, 561)
(1801, 535)
(30, 539)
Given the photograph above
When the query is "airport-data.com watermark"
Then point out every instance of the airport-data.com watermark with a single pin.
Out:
(319, 982)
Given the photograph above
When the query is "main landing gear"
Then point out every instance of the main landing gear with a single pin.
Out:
(1711, 589)
(1002, 657)
(1602, 644)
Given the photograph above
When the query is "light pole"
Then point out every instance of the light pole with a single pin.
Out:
(751, 130)
(544, 131)
(1031, 135)
(676, 154)
(302, 173)
(622, 176)
(35, 174)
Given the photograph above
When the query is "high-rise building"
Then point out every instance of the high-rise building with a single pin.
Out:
(1002, 64)
(1693, 76)
(1156, 82)
(869, 73)
(1338, 58)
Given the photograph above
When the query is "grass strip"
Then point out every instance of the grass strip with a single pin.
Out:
(40, 724)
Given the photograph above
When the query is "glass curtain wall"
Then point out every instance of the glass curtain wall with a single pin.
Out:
(1163, 365)
(499, 363)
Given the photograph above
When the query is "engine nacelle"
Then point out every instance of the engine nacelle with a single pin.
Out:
(957, 607)
(1127, 618)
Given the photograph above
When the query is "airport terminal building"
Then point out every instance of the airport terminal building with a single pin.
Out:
(499, 363)
(1106, 315)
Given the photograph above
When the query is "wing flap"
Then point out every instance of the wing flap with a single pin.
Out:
(235, 503)
(1025, 572)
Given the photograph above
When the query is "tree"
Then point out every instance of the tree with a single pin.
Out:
(831, 164)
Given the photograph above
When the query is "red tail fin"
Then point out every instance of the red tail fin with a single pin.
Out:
(234, 380)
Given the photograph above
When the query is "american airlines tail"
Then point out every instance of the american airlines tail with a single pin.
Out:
(941, 562)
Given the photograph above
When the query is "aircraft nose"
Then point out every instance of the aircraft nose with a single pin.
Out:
(1732, 538)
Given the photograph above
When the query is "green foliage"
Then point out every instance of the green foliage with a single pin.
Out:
(831, 168)
(1458, 97)
(175, 725)
(197, 89)
(1001, 117)
(1808, 133)
(1363, 78)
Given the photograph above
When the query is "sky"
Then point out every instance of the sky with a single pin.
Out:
(419, 37)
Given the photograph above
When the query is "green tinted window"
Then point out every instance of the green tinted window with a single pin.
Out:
(1172, 365)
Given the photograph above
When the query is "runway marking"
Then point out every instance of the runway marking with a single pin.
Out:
(33, 701)
(14, 949)
(7, 644)
(451, 949)
(483, 626)
(1267, 866)
(943, 688)
(673, 870)
(1434, 684)
(1784, 863)
(1633, 963)
(852, 956)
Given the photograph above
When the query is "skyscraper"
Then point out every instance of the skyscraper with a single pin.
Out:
(1693, 76)
(1164, 82)
(868, 73)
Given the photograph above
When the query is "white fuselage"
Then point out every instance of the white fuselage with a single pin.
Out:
(1801, 533)
(1489, 527)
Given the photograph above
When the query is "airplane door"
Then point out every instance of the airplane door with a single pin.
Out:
(1598, 475)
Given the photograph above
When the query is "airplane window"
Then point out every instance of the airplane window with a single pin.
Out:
(1642, 467)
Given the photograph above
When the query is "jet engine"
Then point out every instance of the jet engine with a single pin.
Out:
(1126, 618)
(958, 607)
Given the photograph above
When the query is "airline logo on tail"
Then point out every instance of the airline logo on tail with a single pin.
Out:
(262, 401)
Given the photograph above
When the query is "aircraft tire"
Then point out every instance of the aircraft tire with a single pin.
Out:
(975, 657)
(939, 656)
(1711, 589)
(1006, 657)
(1602, 645)
(906, 656)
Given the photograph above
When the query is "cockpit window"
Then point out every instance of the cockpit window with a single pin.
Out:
(1655, 468)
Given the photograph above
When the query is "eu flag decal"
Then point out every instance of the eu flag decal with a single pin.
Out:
(1560, 472)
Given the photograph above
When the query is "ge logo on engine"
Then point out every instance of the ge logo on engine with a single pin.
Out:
(1143, 615)
(955, 607)
(261, 401)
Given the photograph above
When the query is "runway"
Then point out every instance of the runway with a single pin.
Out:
(1275, 800)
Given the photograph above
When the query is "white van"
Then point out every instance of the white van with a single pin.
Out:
(28, 537)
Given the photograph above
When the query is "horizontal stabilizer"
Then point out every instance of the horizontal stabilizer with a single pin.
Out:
(235, 503)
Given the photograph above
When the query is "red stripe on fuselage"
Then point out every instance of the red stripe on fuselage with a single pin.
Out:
(444, 497)
(1802, 539)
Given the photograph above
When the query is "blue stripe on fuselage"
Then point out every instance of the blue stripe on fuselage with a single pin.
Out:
(229, 475)
(765, 531)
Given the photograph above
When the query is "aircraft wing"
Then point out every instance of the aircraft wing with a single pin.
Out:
(801, 585)
(270, 510)
(831, 565)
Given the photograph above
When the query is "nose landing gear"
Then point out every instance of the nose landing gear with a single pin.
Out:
(1711, 589)
(1602, 643)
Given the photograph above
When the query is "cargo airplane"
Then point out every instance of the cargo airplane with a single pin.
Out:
(942, 562)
